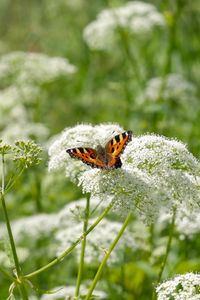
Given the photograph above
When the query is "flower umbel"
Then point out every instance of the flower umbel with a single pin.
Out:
(156, 172)
(135, 17)
(185, 286)
(26, 153)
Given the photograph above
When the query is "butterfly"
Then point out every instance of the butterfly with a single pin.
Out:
(107, 157)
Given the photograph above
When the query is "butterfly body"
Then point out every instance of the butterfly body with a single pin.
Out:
(107, 157)
(102, 154)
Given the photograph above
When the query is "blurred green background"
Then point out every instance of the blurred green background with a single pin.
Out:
(107, 86)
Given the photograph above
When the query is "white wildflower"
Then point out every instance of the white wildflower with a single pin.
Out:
(187, 223)
(181, 287)
(74, 211)
(135, 17)
(156, 172)
(33, 227)
(33, 68)
(25, 131)
(23, 254)
(16, 94)
(78, 136)
(68, 292)
(171, 87)
(98, 241)
(15, 114)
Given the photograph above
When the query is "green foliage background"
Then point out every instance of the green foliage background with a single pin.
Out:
(107, 87)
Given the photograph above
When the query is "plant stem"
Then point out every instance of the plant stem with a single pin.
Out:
(69, 250)
(12, 243)
(9, 230)
(100, 269)
(23, 292)
(168, 247)
(83, 245)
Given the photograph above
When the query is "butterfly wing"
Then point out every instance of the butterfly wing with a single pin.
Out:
(116, 145)
(114, 163)
(88, 156)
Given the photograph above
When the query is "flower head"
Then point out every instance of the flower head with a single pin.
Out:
(26, 153)
(35, 227)
(172, 87)
(98, 241)
(33, 68)
(185, 286)
(25, 131)
(84, 135)
(136, 17)
(156, 172)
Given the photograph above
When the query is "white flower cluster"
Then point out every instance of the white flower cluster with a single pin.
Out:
(83, 135)
(70, 220)
(73, 212)
(136, 17)
(24, 74)
(171, 87)
(33, 68)
(181, 287)
(33, 227)
(98, 241)
(24, 131)
(12, 107)
(68, 292)
(188, 224)
(5, 261)
(156, 172)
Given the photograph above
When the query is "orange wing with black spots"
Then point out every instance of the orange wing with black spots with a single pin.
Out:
(87, 155)
(110, 159)
(116, 146)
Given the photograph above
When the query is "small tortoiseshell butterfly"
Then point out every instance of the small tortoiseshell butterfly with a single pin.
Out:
(107, 157)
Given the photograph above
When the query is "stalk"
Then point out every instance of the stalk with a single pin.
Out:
(69, 250)
(112, 246)
(10, 235)
(168, 247)
(83, 246)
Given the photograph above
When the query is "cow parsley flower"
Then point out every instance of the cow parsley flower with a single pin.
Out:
(156, 172)
(83, 135)
(33, 68)
(17, 94)
(16, 114)
(74, 211)
(172, 87)
(181, 287)
(34, 227)
(136, 17)
(98, 241)
(6, 261)
(25, 131)
(187, 223)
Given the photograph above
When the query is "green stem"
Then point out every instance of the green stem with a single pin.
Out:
(83, 245)
(22, 290)
(168, 247)
(100, 269)
(69, 250)
(12, 243)
(10, 234)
